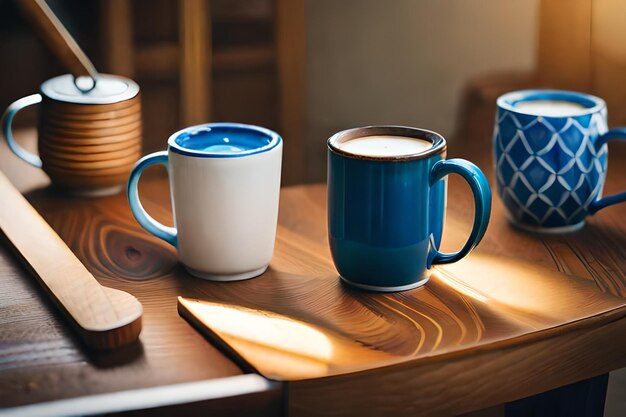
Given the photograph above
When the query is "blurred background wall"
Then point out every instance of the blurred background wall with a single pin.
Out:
(406, 61)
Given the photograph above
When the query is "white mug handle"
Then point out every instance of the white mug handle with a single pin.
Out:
(146, 221)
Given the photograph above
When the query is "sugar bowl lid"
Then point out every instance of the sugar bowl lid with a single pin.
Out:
(105, 89)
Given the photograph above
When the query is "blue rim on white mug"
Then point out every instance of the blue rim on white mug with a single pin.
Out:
(260, 140)
(181, 142)
(550, 170)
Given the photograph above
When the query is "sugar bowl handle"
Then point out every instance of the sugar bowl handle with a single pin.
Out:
(7, 120)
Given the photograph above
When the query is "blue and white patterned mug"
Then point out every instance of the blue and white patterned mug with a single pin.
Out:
(551, 158)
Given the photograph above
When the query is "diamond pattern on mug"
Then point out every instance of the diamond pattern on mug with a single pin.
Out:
(539, 136)
(536, 173)
(556, 192)
(522, 190)
(570, 177)
(518, 150)
(548, 169)
(505, 169)
(508, 125)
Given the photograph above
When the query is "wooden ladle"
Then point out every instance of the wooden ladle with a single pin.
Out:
(105, 318)
(58, 39)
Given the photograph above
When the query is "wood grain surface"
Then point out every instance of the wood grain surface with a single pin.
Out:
(294, 325)
(38, 352)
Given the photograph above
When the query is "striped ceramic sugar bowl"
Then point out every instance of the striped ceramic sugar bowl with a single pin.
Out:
(89, 132)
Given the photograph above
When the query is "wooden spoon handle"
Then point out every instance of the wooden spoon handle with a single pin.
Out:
(104, 317)
(59, 40)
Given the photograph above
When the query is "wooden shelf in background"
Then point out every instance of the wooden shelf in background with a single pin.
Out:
(245, 58)
(157, 61)
(236, 10)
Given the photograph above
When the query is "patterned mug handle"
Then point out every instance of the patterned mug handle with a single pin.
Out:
(613, 134)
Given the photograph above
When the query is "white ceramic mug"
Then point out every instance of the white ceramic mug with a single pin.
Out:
(225, 184)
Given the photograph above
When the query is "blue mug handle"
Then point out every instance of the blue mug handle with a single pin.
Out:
(482, 202)
(7, 120)
(146, 221)
(619, 133)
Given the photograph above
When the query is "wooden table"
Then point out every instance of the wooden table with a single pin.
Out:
(44, 367)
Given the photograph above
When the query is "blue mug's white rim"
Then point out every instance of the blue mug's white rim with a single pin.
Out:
(509, 100)
(438, 143)
(176, 148)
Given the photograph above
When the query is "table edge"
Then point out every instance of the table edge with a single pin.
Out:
(147, 398)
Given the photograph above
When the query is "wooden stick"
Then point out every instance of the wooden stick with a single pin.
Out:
(104, 318)
(59, 40)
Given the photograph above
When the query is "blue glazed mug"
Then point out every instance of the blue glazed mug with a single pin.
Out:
(386, 212)
(551, 157)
